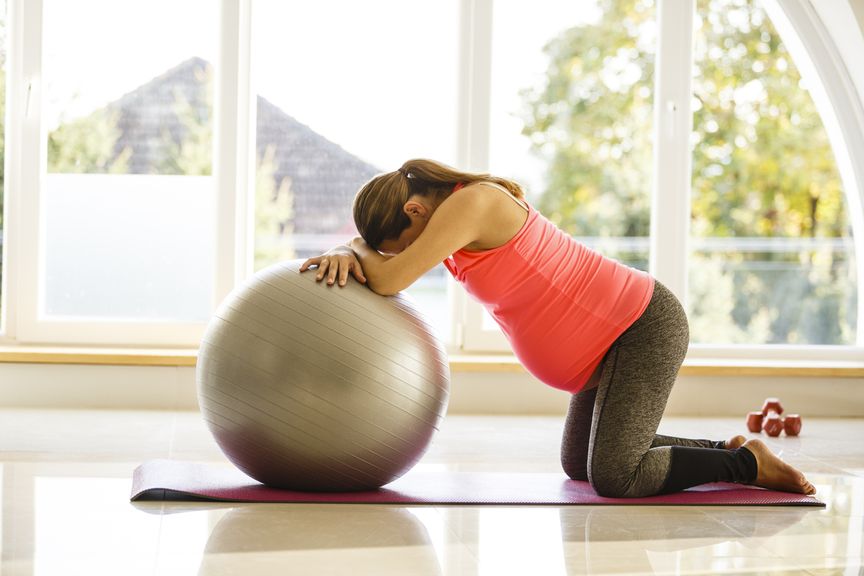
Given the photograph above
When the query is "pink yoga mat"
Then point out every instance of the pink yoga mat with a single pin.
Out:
(177, 481)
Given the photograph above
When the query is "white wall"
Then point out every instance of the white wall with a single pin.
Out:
(173, 388)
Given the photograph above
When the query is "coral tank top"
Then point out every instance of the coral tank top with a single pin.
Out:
(560, 304)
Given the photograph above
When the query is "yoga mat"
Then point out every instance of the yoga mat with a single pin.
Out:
(176, 480)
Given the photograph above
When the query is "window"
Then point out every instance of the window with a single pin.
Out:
(572, 117)
(3, 52)
(329, 120)
(145, 128)
(772, 259)
(128, 158)
(124, 216)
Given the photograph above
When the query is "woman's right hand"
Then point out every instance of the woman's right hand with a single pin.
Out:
(335, 265)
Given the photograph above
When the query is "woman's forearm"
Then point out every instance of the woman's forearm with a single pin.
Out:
(372, 262)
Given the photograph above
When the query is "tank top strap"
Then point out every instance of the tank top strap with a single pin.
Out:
(521, 203)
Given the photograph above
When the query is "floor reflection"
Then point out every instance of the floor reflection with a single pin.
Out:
(664, 540)
(276, 537)
(66, 511)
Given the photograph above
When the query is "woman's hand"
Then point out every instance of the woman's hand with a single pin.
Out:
(335, 265)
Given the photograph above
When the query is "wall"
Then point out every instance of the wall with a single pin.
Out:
(173, 388)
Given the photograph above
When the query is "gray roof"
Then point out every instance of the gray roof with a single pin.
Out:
(323, 176)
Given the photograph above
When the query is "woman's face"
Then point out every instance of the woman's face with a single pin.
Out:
(419, 212)
(405, 239)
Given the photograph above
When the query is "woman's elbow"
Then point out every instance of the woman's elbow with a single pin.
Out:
(382, 287)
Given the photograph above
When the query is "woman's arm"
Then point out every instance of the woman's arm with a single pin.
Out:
(453, 225)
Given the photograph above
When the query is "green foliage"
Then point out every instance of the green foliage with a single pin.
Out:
(274, 211)
(2, 128)
(87, 146)
(762, 165)
(592, 120)
(191, 153)
(2, 151)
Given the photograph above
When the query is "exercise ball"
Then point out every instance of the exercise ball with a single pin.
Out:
(313, 387)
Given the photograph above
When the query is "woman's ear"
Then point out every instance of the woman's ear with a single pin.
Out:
(415, 209)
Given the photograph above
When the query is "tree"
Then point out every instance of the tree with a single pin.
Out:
(2, 148)
(190, 151)
(2, 135)
(762, 163)
(87, 146)
(592, 120)
(274, 212)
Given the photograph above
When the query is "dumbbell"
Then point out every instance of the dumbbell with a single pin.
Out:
(770, 420)
(772, 424)
(792, 424)
(772, 405)
(754, 421)
(767, 419)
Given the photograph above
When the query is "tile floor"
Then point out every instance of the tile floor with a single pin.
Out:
(65, 480)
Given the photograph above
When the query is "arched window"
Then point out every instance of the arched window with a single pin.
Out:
(772, 259)
(770, 256)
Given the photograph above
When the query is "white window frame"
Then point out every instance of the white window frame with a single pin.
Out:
(818, 60)
(234, 121)
(25, 164)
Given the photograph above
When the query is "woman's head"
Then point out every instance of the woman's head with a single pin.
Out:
(384, 206)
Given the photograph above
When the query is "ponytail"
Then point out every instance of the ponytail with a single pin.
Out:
(432, 172)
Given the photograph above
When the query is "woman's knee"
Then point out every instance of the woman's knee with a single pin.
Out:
(610, 473)
(609, 485)
(574, 469)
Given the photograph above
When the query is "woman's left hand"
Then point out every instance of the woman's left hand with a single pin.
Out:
(336, 264)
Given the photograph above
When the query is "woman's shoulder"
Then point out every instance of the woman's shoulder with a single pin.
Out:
(476, 199)
(499, 214)
(483, 190)
(494, 195)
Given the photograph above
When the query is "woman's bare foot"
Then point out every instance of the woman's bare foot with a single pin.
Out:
(775, 474)
(735, 442)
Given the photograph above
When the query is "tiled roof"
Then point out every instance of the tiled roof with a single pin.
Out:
(323, 176)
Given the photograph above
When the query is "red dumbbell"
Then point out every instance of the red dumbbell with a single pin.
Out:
(792, 424)
(754, 421)
(772, 405)
(773, 424)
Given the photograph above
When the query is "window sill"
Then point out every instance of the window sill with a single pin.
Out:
(458, 362)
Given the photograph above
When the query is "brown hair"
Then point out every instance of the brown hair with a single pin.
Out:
(378, 205)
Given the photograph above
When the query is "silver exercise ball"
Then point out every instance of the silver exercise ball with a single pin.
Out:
(313, 387)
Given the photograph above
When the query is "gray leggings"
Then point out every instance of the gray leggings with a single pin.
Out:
(610, 435)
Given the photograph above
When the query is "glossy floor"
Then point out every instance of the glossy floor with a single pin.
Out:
(66, 480)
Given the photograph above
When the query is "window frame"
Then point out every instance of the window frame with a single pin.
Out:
(234, 119)
(818, 60)
(26, 161)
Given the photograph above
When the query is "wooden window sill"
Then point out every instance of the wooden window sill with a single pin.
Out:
(458, 363)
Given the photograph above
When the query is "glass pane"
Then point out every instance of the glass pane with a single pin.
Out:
(127, 205)
(2, 142)
(572, 115)
(331, 117)
(771, 260)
